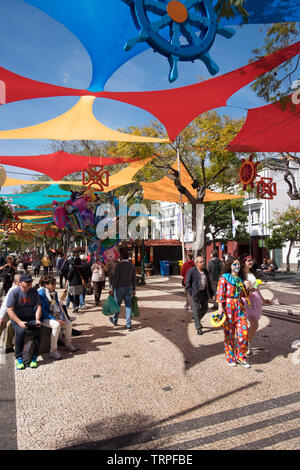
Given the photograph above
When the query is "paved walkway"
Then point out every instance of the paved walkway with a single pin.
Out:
(161, 386)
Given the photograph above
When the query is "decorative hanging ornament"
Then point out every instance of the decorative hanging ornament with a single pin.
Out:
(12, 226)
(96, 177)
(266, 188)
(248, 172)
(179, 30)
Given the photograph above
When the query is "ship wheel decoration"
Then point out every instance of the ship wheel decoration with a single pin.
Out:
(180, 30)
(248, 172)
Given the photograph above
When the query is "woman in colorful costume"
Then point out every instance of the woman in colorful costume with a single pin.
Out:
(229, 297)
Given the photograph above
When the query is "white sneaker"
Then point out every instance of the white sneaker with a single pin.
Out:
(231, 364)
(244, 364)
(55, 355)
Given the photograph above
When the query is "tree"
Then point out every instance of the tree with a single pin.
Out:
(285, 228)
(276, 84)
(218, 220)
(201, 148)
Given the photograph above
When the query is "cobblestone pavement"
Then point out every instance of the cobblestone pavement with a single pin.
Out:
(161, 386)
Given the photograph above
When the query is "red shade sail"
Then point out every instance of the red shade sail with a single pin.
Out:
(59, 164)
(175, 108)
(270, 128)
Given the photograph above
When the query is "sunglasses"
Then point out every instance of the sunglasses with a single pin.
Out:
(235, 264)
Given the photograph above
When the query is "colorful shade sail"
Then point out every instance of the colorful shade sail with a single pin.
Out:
(270, 128)
(59, 164)
(78, 123)
(19, 182)
(31, 212)
(175, 108)
(39, 198)
(126, 175)
(104, 27)
(165, 190)
(50, 191)
(121, 178)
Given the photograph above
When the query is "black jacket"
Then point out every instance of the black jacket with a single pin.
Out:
(192, 284)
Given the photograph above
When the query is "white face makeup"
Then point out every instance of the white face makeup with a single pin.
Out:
(235, 267)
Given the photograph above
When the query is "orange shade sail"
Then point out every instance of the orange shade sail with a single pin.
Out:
(165, 190)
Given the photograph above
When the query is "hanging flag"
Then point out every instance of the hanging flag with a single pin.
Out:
(233, 224)
(249, 221)
(261, 221)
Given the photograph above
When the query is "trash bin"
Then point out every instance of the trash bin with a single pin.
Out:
(164, 268)
(174, 268)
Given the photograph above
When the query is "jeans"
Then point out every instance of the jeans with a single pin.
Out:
(120, 294)
(82, 297)
(72, 299)
(20, 335)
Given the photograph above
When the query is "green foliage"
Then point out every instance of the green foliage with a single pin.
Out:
(285, 227)
(230, 8)
(218, 220)
(276, 84)
(6, 210)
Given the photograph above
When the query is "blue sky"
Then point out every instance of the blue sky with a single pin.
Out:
(36, 46)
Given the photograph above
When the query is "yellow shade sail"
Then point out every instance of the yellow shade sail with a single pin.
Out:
(126, 175)
(17, 182)
(78, 123)
(165, 190)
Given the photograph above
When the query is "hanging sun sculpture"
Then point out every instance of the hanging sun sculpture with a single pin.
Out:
(248, 172)
(179, 30)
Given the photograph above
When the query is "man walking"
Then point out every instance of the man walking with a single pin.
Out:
(214, 269)
(24, 310)
(198, 286)
(123, 283)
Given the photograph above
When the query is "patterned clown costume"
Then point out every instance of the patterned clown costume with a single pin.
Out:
(235, 327)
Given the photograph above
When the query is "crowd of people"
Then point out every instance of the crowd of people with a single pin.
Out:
(232, 286)
(26, 308)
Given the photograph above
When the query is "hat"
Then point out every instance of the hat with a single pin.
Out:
(25, 278)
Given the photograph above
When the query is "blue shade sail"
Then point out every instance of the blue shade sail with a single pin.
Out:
(268, 11)
(52, 190)
(103, 28)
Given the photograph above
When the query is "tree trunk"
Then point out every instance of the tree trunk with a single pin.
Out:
(198, 228)
(288, 257)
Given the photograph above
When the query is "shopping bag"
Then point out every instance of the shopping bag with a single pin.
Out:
(64, 295)
(110, 306)
(135, 308)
